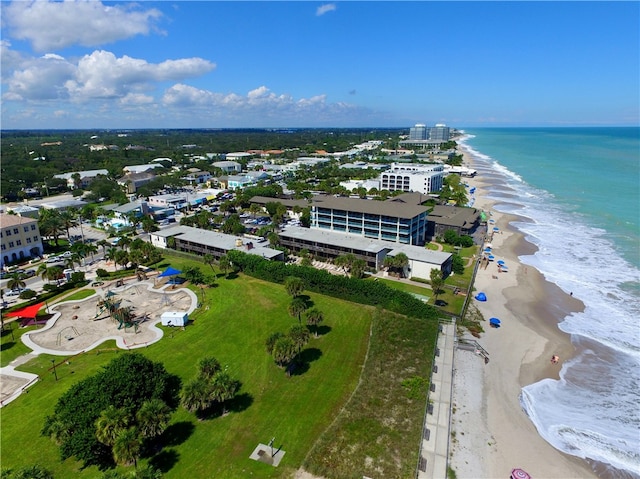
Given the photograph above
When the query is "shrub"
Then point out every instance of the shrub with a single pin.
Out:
(77, 277)
(102, 273)
(28, 294)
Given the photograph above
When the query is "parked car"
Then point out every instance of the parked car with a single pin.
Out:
(54, 259)
(29, 273)
(12, 293)
(67, 254)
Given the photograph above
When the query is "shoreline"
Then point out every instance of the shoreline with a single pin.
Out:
(491, 433)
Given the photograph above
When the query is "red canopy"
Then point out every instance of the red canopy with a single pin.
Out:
(28, 312)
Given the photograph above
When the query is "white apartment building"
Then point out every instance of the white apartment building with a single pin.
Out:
(85, 177)
(419, 178)
(19, 238)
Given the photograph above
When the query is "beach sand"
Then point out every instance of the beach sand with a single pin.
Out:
(491, 434)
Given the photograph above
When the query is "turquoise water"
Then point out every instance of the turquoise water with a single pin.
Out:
(577, 192)
(594, 172)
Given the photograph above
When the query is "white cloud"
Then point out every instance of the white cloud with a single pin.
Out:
(50, 25)
(39, 79)
(98, 75)
(103, 75)
(327, 7)
(134, 99)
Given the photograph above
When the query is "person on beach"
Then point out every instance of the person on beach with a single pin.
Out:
(555, 359)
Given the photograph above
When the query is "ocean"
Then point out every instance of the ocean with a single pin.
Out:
(578, 193)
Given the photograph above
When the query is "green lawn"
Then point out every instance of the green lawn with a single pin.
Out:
(239, 314)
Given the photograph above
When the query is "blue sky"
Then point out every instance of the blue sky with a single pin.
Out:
(311, 64)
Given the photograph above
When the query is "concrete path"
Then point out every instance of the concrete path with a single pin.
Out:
(434, 454)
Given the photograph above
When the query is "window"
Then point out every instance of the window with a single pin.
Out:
(33, 227)
(8, 233)
(10, 244)
(15, 231)
(19, 243)
(35, 238)
(4, 247)
(28, 240)
(26, 229)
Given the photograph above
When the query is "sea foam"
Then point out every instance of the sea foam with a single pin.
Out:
(592, 411)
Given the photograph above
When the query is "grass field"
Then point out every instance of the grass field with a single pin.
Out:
(238, 315)
(377, 422)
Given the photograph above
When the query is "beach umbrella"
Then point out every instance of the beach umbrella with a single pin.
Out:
(487, 250)
(481, 297)
(491, 257)
(519, 474)
(492, 221)
(494, 322)
(495, 228)
(501, 262)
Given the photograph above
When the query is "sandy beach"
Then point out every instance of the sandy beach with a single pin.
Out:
(491, 434)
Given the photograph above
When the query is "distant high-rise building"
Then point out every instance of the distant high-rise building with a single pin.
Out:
(418, 132)
(439, 132)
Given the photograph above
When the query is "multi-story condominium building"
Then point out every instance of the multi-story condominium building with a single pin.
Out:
(414, 177)
(396, 221)
(423, 137)
(419, 132)
(439, 132)
(328, 245)
(19, 238)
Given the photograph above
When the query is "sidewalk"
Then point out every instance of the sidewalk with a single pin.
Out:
(434, 454)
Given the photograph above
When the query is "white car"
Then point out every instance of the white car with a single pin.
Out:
(12, 293)
(54, 259)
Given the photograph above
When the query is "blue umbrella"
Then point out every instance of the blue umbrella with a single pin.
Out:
(481, 297)
(495, 228)
(491, 257)
(487, 250)
(500, 262)
(169, 272)
(494, 322)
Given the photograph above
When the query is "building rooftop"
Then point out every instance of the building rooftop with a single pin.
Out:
(398, 209)
(220, 240)
(358, 242)
(453, 215)
(14, 220)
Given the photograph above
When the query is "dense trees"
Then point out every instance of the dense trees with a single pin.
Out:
(397, 264)
(101, 418)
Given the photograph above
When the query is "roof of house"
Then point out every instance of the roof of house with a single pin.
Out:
(83, 174)
(263, 200)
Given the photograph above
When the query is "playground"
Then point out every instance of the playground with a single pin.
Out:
(128, 314)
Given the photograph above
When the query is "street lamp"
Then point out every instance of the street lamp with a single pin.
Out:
(53, 362)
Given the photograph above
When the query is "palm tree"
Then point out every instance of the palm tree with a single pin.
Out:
(111, 422)
(224, 263)
(345, 261)
(136, 257)
(16, 282)
(314, 318)
(223, 388)
(55, 273)
(103, 243)
(148, 224)
(294, 286)
(69, 219)
(357, 268)
(195, 395)
(50, 224)
(300, 337)
(153, 417)
(254, 209)
(273, 239)
(271, 341)
(297, 307)
(122, 258)
(284, 350)
(111, 255)
(209, 259)
(127, 447)
(436, 282)
(124, 242)
(208, 367)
